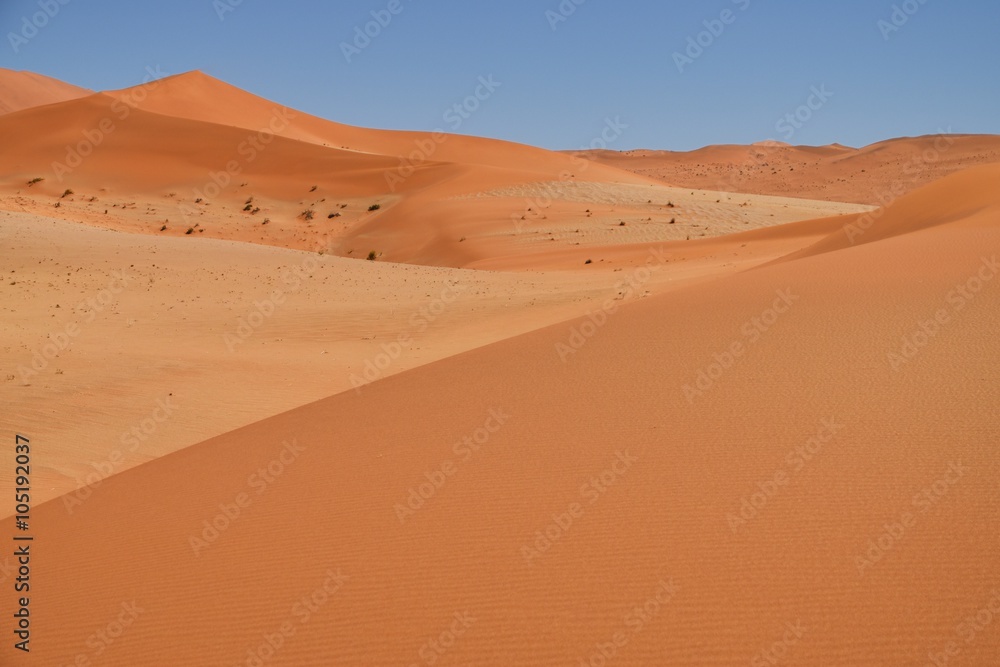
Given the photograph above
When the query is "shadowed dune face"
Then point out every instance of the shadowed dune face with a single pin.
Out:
(688, 478)
(24, 90)
(875, 175)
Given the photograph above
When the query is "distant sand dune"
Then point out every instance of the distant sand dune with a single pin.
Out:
(875, 175)
(24, 90)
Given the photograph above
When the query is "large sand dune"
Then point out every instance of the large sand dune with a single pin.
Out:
(192, 153)
(583, 416)
(24, 90)
(692, 479)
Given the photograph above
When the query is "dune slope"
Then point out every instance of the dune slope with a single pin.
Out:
(24, 90)
(876, 174)
(753, 470)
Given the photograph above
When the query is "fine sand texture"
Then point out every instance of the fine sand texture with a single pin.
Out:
(487, 404)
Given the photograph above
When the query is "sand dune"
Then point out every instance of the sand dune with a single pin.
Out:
(968, 197)
(873, 536)
(198, 96)
(876, 174)
(24, 90)
(710, 408)
(119, 163)
(192, 155)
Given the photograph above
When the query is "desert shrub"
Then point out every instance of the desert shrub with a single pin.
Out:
(374, 207)
(372, 256)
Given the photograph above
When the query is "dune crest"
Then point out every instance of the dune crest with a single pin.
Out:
(24, 90)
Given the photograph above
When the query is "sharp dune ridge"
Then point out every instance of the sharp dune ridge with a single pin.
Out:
(26, 90)
(612, 417)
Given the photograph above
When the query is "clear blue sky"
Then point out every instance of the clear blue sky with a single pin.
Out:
(608, 59)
